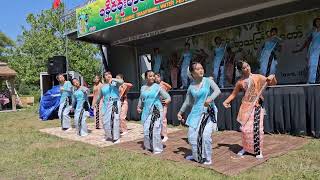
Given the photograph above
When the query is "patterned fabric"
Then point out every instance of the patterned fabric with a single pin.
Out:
(115, 110)
(123, 115)
(151, 131)
(251, 114)
(256, 130)
(154, 117)
(111, 117)
(252, 132)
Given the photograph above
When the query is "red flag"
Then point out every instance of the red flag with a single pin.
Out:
(56, 4)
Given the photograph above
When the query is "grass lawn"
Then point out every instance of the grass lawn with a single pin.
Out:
(26, 153)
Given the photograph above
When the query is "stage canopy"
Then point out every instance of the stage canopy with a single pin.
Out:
(191, 18)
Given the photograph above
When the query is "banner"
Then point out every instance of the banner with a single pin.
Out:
(246, 42)
(104, 14)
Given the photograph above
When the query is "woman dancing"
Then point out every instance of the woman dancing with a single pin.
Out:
(111, 107)
(251, 112)
(150, 106)
(81, 106)
(202, 118)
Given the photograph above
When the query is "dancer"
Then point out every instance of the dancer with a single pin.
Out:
(165, 86)
(111, 107)
(251, 112)
(80, 106)
(97, 109)
(65, 102)
(185, 60)
(150, 106)
(203, 117)
(313, 44)
(268, 56)
(174, 69)
(218, 61)
(123, 90)
(156, 61)
(230, 69)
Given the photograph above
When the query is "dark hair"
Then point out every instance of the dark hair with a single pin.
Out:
(314, 21)
(156, 49)
(186, 44)
(97, 75)
(74, 79)
(146, 73)
(274, 29)
(240, 64)
(60, 74)
(215, 39)
(121, 75)
(107, 72)
(157, 74)
(192, 65)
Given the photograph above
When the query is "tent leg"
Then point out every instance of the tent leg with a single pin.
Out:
(13, 96)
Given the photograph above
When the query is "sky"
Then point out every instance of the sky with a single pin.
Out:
(13, 13)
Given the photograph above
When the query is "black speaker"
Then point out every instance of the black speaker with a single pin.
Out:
(57, 65)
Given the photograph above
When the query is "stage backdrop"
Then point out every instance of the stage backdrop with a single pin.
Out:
(246, 40)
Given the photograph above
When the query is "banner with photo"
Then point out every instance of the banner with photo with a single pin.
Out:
(247, 40)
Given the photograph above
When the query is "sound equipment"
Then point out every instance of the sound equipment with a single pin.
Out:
(57, 65)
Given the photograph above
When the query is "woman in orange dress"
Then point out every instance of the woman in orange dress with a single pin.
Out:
(123, 91)
(96, 90)
(251, 112)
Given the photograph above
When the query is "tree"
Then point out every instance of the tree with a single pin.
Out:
(45, 38)
(5, 42)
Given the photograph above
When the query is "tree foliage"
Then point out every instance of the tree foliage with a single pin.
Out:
(5, 42)
(45, 38)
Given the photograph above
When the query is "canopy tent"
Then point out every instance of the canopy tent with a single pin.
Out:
(8, 74)
(126, 43)
(194, 18)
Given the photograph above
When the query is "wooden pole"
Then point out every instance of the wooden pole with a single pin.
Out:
(13, 95)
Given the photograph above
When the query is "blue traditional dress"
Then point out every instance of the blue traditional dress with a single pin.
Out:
(65, 105)
(202, 121)
(268, 59)
(152, 110)
(111, 109)
(81, 106)
(157, 63)
(218, 65)
(186, 59)
(314, 55)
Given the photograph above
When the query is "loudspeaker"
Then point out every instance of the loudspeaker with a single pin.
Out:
(57, 65)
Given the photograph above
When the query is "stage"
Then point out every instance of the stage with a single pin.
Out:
(225, 146)
(289, 109)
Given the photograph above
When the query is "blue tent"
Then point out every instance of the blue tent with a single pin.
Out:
(49, 103)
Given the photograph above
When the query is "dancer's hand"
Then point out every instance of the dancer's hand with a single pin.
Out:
(226, 104)
(270, 77)
(61, 88)
(139, 110)
(165, 101)
(180, 117)
(71, 110)
(207, 103)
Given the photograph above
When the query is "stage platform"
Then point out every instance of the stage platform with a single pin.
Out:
(225, 146)
(289, 109)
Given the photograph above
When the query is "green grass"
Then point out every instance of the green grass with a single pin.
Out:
(26, 153)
